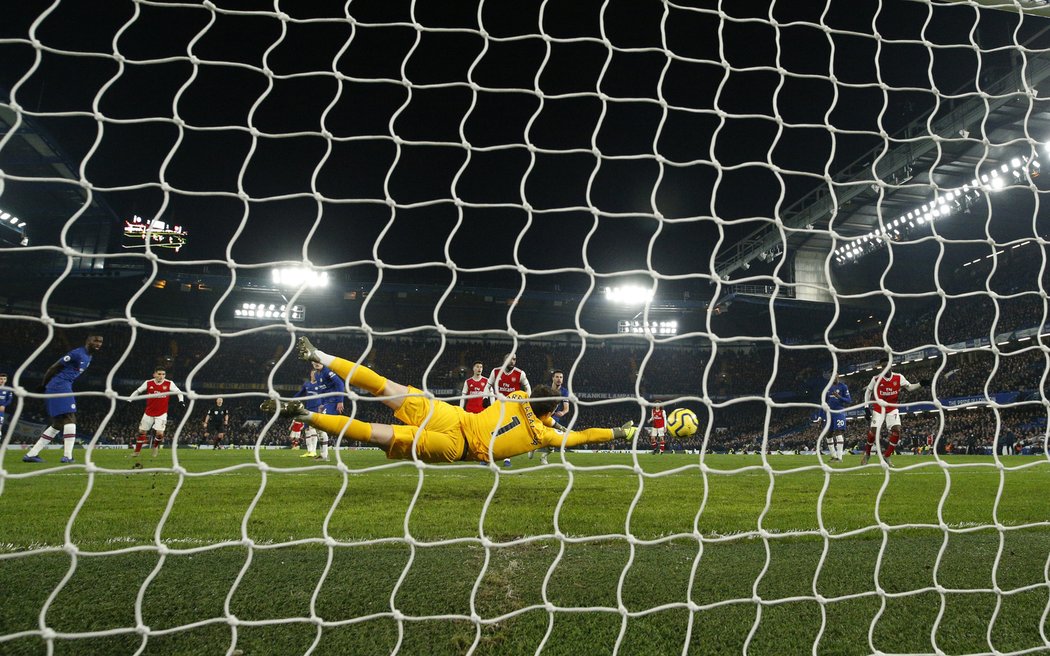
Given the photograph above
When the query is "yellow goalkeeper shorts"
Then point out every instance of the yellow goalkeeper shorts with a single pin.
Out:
(438, 424)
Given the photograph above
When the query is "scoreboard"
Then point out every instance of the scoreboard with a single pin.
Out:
(138, 232)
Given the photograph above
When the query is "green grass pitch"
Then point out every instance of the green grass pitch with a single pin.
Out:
(932, 587)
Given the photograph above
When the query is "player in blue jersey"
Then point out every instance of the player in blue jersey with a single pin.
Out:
(7, 399)
(328, 382)
(322, 380)
(838, 399)
(557, 380)
(61, 404)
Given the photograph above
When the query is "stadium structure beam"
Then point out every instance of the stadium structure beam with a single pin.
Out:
(878, 164)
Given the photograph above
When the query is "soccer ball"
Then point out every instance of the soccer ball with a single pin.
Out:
(682, 423)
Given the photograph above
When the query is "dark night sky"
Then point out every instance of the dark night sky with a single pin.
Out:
(722, 88)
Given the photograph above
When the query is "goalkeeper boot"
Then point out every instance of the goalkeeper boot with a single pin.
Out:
(284, 409)
(305, 350)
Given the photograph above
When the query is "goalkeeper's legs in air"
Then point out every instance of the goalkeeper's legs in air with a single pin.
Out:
(391, 394)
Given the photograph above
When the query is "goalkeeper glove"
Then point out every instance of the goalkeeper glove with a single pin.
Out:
(625, 432)
(558, 427)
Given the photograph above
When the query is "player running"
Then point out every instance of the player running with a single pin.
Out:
(437, 431)
(838, 399)
(61, 404)
(158, 392)
(885, 390)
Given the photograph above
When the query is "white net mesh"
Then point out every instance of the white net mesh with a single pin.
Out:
(696, 205)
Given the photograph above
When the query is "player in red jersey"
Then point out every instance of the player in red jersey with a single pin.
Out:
(475, 398)
(504, 382)
(509, 379)
(158, 391)
(658, 430)
(884, 394)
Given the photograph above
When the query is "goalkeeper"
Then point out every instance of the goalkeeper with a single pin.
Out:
(446, 433)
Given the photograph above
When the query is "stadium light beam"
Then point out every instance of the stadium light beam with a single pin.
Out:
(629, 294)
(294, 277)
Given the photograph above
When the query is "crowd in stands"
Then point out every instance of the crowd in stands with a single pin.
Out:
(241, 367)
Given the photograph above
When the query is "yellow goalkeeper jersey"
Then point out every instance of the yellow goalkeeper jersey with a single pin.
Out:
(512, 428)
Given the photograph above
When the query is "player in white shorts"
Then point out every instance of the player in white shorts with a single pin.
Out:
(158, 391)
(884, 393)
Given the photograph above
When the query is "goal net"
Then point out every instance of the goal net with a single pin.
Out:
(738, 210)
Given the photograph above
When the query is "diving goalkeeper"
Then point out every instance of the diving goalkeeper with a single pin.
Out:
(511, 426)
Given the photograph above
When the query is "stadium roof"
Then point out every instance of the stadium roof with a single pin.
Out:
(931, 155)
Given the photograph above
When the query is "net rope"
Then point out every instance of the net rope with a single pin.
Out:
(721, 109)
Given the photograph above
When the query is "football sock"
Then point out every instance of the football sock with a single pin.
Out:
(894, 438)
(324, 445)
(341, 425)
(837, 451)
(362, 377)
(43, 441)
(69, 438)
(139, 441)
(311, 443)
(870, 443)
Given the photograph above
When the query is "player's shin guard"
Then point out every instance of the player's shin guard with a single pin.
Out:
(870, 443)
(362, 377)
(340, 425)
(836, 450)
(324, 446)
(69, 438)
(43, 441)
(895, 437)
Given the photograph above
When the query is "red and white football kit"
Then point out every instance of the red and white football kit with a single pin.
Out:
(885, 394)
(506, 382)
(157, 397)
(657, 423)
(474, 394)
